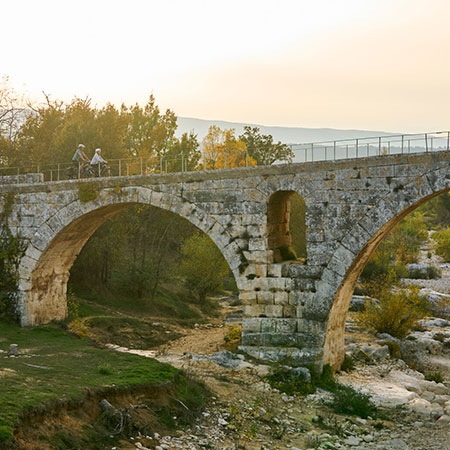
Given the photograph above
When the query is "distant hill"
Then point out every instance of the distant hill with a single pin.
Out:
(287, 135)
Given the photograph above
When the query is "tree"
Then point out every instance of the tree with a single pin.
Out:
(182, 154)
(221, 149)
(149, 131)
(262, 148)
(202, 266)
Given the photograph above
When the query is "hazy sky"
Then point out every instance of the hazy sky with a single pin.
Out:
(368, 64)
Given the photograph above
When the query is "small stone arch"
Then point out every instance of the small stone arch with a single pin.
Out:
(58, 241)
(279, 226)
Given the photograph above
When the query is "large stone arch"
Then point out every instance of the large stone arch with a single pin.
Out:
(57, 242)
(345, 266)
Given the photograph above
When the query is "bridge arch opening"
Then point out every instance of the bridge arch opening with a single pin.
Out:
(286, 223)
(46, 297)
(334, 347)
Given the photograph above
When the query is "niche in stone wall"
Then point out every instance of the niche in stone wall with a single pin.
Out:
(286, 226)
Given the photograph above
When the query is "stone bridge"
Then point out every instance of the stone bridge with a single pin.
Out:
(294, 312)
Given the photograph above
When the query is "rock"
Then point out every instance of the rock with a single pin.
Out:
(358, 302)
(13, 350)
(434, 323)
(398, 444)
(373, 354)
(352, 441)
(302, 372)
(385, 337)
(422, 271)
(443, 420)
(441, 399)
(368, 438)
(438, 302)
(105, 405)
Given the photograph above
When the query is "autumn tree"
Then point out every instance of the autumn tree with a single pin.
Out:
(262, 149)
(221, 149)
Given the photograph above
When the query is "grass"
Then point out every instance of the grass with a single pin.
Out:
(68, 366)
(345, 399)
(174, 307)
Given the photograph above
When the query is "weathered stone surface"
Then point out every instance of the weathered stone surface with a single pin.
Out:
(350, 206)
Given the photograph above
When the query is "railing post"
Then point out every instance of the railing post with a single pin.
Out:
(346, 151)
(368, 149)
(182, 162)
(79, 171)
(431, 139)
(409, 145)
(426, 142)
(403, 137)
(166, 166)
(160, 165)
(224, 159)
(389, 147)
(312, 152)
(120, 167)
(128, 169)
(141, 167)
(448, 140)
(356, 147)
(326, 152)
(246, 157)
(379, 146)
(59, 169)
(334, 150)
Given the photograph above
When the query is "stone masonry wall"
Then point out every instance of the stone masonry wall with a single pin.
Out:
(295, 312)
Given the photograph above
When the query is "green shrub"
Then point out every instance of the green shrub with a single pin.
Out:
(442, 239)
(431, 273)
(5, 434)
(87, 192)
(348, 364)
(395, 312)
(435, 376)
(349, 401)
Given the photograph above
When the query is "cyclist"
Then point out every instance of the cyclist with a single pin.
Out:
(97, 160)
(79, 158)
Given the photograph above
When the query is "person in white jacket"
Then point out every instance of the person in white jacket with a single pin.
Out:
(97, 160)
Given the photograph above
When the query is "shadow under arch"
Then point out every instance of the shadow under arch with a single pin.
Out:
(286, 242)
(45, 299)
(334, 347)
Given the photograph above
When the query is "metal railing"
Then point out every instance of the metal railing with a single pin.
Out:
(125, 167)
(371, 146)
(315, 151)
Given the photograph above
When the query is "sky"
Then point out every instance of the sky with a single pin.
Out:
(348, 64)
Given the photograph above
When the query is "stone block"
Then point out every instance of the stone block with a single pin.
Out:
(286, 325)
(252, 325)
(254, 310)
(274, 311)
(289, 311)
(281, 298)
(265, 297)
(268, 325)
(274, 270)
(257, 244)
(247, 298)
(252, 339)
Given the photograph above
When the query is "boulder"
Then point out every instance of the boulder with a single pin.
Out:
(439, 303)
(13, 350)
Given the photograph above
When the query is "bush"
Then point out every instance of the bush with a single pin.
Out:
(349, 401)
(436, 377)
(397, 312)
(442, 239)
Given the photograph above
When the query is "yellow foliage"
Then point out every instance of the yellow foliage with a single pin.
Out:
(222, 150)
